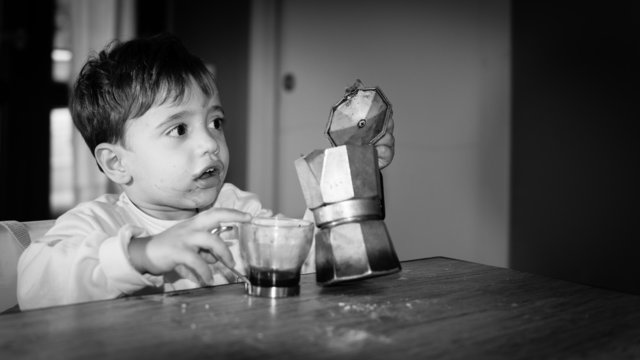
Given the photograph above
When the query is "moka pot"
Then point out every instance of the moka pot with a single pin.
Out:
(342, 186)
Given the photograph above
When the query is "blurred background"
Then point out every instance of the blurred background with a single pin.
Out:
(514, 140)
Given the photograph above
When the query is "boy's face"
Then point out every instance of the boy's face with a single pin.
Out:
(177, 156)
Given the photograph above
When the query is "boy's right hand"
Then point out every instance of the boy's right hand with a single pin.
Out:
(181, 244)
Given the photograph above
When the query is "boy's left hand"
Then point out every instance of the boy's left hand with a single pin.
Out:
(385, 147)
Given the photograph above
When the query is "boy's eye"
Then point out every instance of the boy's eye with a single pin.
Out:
(216, 123)
(178, 130)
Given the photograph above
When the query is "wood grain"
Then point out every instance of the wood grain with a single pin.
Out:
(436, 308)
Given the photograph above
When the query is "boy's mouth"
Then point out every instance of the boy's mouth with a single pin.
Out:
(210, 177)
(213, 171)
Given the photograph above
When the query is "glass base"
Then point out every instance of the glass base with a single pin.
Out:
(272, 291)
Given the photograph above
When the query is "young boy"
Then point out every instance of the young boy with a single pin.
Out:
(151, 114)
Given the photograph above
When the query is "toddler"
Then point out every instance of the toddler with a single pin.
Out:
(151, 114)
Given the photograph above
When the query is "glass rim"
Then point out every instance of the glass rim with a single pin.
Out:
(284, 222)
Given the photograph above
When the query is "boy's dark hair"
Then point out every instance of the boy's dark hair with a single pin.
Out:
(126, 79)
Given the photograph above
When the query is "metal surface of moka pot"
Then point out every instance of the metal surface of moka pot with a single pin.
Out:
(342, 186)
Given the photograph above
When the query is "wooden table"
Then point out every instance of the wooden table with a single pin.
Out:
(436, 308)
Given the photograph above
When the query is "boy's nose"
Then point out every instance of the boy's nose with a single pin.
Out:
(208, 143)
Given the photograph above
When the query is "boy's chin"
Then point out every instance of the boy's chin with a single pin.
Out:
(206, 201)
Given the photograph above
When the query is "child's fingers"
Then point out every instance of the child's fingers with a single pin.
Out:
(386, 140)
(187, 273)
(212, 218)
(385, 155)
(197, 265)
(208, 256)
(216, 247)
(385, 147)
(390, 125)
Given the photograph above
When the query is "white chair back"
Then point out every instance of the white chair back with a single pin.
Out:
(15, 236)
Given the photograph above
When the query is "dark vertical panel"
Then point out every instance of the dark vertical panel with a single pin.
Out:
(152, 17)
(575, 99)
(25, 103)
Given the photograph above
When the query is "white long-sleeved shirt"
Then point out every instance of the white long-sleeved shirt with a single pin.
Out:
(84, 256)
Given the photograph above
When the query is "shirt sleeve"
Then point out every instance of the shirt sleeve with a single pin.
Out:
(82, 258)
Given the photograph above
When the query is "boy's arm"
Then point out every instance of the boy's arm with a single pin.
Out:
(80, 259)
(181, 245)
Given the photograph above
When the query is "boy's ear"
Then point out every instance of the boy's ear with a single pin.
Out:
(109, 157)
